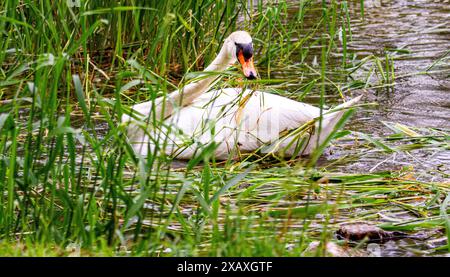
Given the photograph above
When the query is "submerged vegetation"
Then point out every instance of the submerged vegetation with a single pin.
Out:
(71, 185)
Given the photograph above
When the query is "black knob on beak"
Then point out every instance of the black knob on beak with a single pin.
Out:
(251, 76)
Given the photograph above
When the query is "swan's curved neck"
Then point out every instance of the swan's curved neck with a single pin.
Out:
(190, 92)
(222, 61)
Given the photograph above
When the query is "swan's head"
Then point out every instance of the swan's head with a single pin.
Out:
(239, 45)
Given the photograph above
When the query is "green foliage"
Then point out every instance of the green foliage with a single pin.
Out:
(70, 180)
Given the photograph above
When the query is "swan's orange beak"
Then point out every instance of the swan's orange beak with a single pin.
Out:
(247, 66)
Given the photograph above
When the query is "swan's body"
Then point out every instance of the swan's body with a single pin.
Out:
(237, 121)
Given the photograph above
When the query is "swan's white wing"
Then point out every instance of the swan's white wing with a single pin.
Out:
(208, 118)
(265, 116)
(235, 120)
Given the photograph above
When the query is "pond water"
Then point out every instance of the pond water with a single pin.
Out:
(418, 32)
(420, 100)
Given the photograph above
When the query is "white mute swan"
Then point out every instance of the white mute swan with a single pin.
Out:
(227, 121)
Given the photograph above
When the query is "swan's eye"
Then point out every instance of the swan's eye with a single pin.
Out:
(246, 50)
(238, 48)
